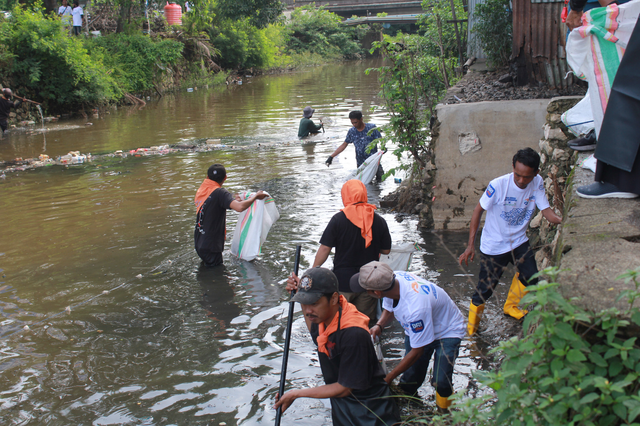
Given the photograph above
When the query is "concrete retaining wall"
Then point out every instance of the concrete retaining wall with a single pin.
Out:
(476, 143)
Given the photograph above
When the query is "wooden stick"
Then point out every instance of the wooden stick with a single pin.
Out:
(26, 100)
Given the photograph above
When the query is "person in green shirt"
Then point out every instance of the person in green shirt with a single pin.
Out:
(307, 126)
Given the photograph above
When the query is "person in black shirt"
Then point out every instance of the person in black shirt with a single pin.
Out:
(354, 379)
(212, 202)
(359, 236)
(5, 107)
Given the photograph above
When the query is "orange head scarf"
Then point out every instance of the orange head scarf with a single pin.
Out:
(350, 317)
(356, 208)
(207, 187)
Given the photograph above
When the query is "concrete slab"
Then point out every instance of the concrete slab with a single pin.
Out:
(601, 240)
(501, 128)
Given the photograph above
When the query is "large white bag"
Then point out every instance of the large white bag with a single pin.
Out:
(399, 259)
(253, 226)
(595, 49)
(367, 170)
(579, 119)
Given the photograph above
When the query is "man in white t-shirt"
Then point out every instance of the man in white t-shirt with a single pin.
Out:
(78, 15)
(432, 323)
(64, 12)
(510, 202)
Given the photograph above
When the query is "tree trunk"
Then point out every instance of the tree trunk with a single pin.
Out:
(51, 6)
(124, 16)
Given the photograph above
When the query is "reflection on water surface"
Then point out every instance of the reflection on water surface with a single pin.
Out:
(97, 260)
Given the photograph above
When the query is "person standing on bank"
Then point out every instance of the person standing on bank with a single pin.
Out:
(432, 324)
(307, 126)
(354, 379)
(5, 108)
(212, 202)
(64, 12)
(359, 236)
(78, 17)
(361, 135)
(510, 202)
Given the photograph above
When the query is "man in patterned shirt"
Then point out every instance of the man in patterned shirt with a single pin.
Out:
(361, 138)
(510, 202)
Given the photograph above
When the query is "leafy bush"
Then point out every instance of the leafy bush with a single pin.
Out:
(242, 45)
(412, 82)
(136, 60)
(495, 30)
(318, 31)
(40, 58)
(572, 367)
(439, 35)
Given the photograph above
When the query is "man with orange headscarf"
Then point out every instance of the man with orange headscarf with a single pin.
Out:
(359, 236)
(212, 202)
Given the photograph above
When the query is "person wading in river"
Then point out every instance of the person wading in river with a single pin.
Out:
(307, 126)
(354, 379)
(5, 108)
(510, 202)
(359, 236)
(212, 202)
(361, 135)
(432, 324)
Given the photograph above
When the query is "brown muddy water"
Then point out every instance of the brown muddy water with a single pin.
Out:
(106, 317)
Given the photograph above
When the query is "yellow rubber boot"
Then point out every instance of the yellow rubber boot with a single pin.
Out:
(442, 402)
(516, 293)
(475, 315)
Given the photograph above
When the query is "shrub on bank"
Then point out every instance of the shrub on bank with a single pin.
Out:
(319, 31)
(39, 57)
(495, 30)
(571, 367)
(136, 61)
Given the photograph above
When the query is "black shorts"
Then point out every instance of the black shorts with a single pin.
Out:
(3, 126)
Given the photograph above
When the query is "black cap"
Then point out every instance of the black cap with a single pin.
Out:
(314, 283)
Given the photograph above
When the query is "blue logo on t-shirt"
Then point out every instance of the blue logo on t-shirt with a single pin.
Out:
(490, 191)
(417, 326)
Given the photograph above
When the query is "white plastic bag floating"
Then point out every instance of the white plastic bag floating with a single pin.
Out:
(253, 226)
(367, 170)
(399, 259)
(579, 119)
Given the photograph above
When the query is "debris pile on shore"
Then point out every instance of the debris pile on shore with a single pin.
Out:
(498, 86)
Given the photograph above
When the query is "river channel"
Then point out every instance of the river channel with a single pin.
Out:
(106, 316)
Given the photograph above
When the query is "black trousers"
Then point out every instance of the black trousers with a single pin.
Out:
(210, 258)
(492, 267)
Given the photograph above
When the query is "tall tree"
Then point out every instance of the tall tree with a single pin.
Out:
(260, 12)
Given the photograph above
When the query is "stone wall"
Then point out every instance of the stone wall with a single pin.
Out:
(557, 162)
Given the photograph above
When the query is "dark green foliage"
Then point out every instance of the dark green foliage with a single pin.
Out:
(260, 13)
(136, 60)
(42, 60)
(7, 5)
(571, 367)
(412, 82)
(242, 45)
(319, 31)
(495, 30)
(439, 34)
